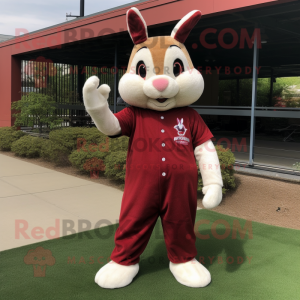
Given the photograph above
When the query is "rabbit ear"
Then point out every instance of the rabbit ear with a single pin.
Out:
(183, 28)
(182, 121)
(136, 26)
(178, 121)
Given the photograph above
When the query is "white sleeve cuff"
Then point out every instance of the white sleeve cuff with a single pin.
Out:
(105, 120)
(209, 164)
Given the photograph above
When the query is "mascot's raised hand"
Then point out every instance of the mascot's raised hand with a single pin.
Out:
(166, 136)
(95, 101)
(94, 96)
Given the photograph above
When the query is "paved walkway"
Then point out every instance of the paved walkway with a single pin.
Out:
(39, 198)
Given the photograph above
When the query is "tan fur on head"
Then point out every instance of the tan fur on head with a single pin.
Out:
(158, 46)
(160, 86)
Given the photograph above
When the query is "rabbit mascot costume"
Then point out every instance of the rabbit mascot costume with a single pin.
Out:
(166, 136)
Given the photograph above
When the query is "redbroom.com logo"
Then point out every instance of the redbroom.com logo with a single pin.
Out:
(69, 229)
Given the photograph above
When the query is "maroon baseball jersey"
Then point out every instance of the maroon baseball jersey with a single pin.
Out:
(161, 180)
(154, 132)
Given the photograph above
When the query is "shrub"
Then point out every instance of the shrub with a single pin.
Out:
(243, 98)
(62, 142)
(87, 161)
(296, 165)
(36, 108)
(94, 136)
(92, 149)
(73, 138)
(227, 160)
(54, 152)
(7, 136)
(115, 163)
(118, 144)
(27, 146)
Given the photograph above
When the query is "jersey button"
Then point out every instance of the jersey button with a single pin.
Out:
(163, 144)
(162, 117)
(162, 131)
(164, 174)
(163, 159)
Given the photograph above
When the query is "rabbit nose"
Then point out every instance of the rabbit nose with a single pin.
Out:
(160, 84)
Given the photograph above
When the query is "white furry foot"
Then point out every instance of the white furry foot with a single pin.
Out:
(191, 273)
(113, 275)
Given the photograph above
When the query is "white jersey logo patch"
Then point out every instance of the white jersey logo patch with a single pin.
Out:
(181, 130)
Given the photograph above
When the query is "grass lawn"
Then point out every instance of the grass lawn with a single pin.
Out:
(263, 264)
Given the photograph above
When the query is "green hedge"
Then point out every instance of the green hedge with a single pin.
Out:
(87, 161)
(118, 144)
(55, 153)
(73, 138)
(27, 146)
(62, 142)
(115, 163)
(88, 149)
(227, 160)
(8, 135)
(104, 149)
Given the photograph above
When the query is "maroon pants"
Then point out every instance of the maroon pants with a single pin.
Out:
(173, 198)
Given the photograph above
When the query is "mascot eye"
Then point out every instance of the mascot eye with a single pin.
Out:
(178, 67)
(141, 69)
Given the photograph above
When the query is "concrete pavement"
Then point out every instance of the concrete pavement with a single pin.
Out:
(36, 202)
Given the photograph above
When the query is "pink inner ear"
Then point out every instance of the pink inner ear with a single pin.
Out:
(136, 27)
(185, 29)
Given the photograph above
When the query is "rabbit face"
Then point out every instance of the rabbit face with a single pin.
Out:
(160, 73)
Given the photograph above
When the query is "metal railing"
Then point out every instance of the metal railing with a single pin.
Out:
(62, 83)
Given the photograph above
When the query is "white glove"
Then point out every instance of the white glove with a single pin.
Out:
(213, 196)
(94, 97)
(95, 101)
(209, 165)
